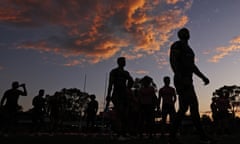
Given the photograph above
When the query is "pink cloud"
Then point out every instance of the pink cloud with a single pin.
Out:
(73, 63)
(172, 1)
(221, 52)
(97, 30)
(141, 72)
(235, 40)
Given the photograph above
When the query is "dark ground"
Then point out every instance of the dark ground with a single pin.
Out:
(72, 135)
(71, 138)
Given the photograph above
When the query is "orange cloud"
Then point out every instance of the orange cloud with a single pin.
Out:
(100, 52)
(141, 72)
(224, 51)
(162, 58)
(235, 40)
(73, 63)
(96, 30)
(172, 1)
(131, 56)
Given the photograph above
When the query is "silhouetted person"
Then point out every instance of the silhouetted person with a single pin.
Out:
(62, 110)
(223, 112)
(54, 111)
(91, 111)
(182, 63)
(148, 103)
(214, 110)
(117, 93)
(167, 95)
(134, 108)
(39, 111)
(10, 103)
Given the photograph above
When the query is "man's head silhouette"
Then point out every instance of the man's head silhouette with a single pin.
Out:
(15, 85)
(121, 61)
(41, 92)
(166, 80)
(183, 34)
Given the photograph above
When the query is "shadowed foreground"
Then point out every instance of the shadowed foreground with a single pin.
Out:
(108, 139)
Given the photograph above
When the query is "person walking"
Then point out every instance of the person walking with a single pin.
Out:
(183, 66)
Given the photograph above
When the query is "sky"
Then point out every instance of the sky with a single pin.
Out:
(55, 44)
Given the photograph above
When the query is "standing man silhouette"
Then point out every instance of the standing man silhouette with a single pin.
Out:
(39, 110)
(118, 93)
(10, 103)
(92, 110)
(148, 103)
(182, 63)
(167, 95)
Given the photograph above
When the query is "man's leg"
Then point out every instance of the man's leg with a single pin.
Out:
(183, 107)
(194, 110)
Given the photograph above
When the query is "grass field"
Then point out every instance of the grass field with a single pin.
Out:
(72, 135)
(107, 139)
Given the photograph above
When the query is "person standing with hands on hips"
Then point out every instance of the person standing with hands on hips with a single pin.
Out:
(167, 97)
(119, 79)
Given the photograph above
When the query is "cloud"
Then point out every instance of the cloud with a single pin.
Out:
(93, 31)
(223, 51)
(235, 40)
(73, 63)
(140, 72)
(1, 68)
(172, 1)
(162, 58)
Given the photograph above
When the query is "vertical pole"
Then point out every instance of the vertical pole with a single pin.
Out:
(105, 91)
(85, 81)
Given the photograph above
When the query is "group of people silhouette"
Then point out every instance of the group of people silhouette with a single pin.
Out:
(43, 107)
(135, 102)
(183, 66)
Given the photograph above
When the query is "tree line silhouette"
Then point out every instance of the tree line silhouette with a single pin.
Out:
(71, 105)
(48, 112)
(66, 111)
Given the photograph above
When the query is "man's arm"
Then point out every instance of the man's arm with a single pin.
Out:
(200, 75)
(130, 80)
(110, 86)
(155, 99)
(3, 99)
(109, 90)
(24, 90)
(175, 58)
(174, 96)
(159, 100)
(96, 106)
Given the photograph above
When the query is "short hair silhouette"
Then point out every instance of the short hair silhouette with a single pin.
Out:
(166, 79)
(183, 34)
(121, 61)
(15, 84)
(92, 96)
